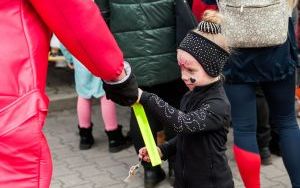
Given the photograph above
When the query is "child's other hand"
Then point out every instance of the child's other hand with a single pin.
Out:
(140, 92)
(143, 154)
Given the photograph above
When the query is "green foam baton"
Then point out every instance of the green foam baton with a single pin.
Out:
(146, 134)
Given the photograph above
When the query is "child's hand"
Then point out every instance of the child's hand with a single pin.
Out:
(143, 154)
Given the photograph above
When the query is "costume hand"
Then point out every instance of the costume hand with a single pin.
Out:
(124, 91)
(143, 154)
(121, 76)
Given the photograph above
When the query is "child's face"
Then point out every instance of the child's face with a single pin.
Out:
(192, 72)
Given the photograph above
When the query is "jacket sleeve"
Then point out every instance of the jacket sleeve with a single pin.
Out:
(168, 148)
(80, 27)
(205, 118)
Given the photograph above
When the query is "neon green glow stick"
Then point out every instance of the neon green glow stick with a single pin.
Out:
(146, 134)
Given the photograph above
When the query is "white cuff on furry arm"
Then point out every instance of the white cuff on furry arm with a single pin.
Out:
(127, 69)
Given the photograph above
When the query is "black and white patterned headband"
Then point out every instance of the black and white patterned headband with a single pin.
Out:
(210, 56)
(209, 27)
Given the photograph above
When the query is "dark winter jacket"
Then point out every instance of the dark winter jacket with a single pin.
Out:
(200, 145)
(185, 20)
(145, 31)
(104, 7)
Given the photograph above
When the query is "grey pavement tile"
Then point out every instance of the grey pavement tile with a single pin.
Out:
(72, 180)
(95, 154)
(119, 172)
(284, 181)
(103, 180)
(61, 170)
(119, 185)
(63, 152)
(136, 181)
(105, 162)
(128, 161)
(56, 185)
(88, 171)
(55, 142)
(272, 171)
(77, 161)
(70, 139)
(267, 182)
(238, 183)
(276, 186)
(278, 163)
(130, 152)
(88, 185)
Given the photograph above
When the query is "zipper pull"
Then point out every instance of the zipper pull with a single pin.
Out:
(242, 8)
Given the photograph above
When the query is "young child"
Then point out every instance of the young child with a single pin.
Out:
(88, 86)
(55, 51)
(204, 117)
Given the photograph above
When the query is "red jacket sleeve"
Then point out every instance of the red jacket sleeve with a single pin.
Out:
(80, 27)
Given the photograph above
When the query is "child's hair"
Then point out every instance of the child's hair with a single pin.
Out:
(214, 17)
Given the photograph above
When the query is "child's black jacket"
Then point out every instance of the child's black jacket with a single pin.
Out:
(202, 127)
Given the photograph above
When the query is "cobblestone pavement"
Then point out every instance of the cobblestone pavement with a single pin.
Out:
(97, 167)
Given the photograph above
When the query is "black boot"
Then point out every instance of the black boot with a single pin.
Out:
(86, 138)
(153, 176)
(117, 141)
(265, 156)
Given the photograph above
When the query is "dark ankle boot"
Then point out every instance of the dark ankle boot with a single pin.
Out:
(265, 156)
(86, 138)
(117, 141)
(153, 176)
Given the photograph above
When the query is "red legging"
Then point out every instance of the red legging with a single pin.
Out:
(25, 160)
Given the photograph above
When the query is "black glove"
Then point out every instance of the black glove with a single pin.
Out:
(125, 92)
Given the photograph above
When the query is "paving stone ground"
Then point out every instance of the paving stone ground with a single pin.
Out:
(97, 167)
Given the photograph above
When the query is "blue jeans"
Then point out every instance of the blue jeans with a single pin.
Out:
(280, 96)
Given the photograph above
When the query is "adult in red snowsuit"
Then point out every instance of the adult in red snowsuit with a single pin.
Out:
(26, 27)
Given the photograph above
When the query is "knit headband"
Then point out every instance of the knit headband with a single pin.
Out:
(211, 56)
